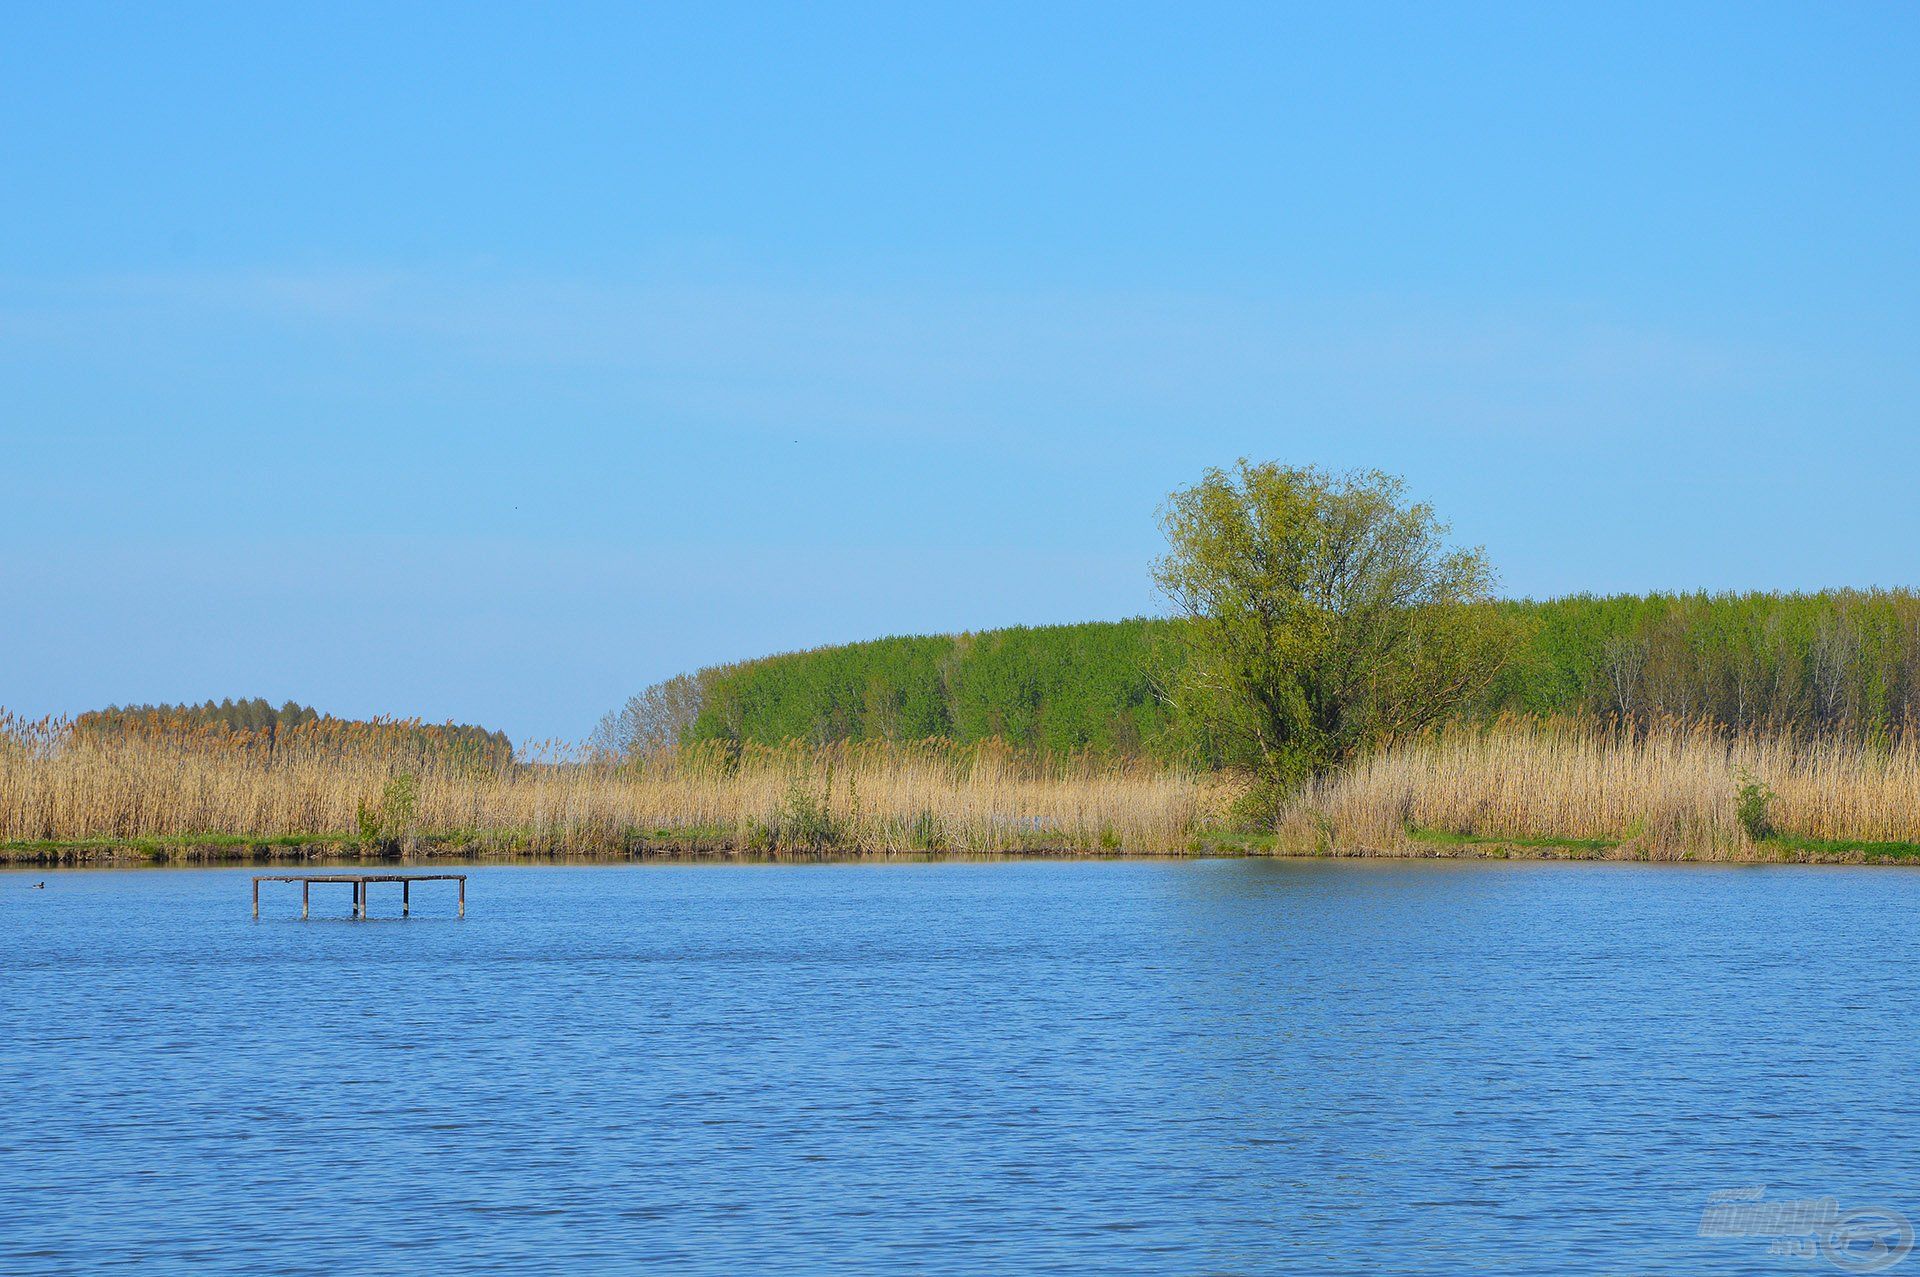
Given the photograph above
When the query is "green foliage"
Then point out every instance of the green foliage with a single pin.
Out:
(925, 833)
(806, 821)
(1752, 803)
(1450, 838)
(888, 689)
(386, 826)
(1844, 662)
(1325, 614)
(1056, 689)
(1847, 847)
(1258, 808)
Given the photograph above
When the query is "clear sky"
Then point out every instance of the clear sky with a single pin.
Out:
(493, 362)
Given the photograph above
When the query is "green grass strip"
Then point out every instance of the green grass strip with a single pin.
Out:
(1231, 842)
(1447, 837)
(172, 842)
(1843, 846)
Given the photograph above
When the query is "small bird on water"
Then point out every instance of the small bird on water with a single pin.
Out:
(39, 886)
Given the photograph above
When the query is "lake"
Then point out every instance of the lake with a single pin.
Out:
(1212, 1066)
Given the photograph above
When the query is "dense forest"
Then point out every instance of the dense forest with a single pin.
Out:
(259, 718)
(1842, 661)
(1056, 688)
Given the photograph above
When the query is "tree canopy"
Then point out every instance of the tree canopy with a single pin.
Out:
(1327, 612)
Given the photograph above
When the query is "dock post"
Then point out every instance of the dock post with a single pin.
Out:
(361, 884)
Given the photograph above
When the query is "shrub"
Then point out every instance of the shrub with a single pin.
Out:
(384, 826)
(925, 833)
(1258, 809)
(805, 821)
(1752, 803)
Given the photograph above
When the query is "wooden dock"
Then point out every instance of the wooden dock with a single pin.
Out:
(359, 883)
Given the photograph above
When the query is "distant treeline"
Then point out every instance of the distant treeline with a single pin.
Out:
(1057, 688)
(1844, 661)
(260, 721)
(1841, 662)
(241, 715)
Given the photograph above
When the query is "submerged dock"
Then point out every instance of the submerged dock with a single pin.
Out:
(359, 883)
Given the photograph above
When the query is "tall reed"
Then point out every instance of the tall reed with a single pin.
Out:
(1669, 789)
(389, 784)
(1666, 789)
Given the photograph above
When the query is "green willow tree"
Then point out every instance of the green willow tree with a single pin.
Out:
(1324, 614)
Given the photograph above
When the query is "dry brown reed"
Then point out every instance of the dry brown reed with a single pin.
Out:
(389, 784)
(1663, 790)
(1668, 790)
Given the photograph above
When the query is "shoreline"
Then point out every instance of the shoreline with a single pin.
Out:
(696, 846)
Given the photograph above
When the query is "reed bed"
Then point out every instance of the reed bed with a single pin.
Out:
(1669, 790)
(1665, 790)
(387, 786)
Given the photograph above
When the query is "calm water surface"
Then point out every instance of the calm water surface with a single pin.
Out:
(1191, 1067)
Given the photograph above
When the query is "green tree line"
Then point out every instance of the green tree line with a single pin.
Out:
(1056, 688)
(1837, 661)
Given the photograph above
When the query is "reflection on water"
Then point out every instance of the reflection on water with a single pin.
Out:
(1213, 1066)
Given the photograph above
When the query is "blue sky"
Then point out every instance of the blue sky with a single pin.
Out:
(493, 362)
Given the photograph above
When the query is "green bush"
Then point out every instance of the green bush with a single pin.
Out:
(389, 823)
(926, 834)
(1752, 804)
(1257, 810)
(805, 822)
